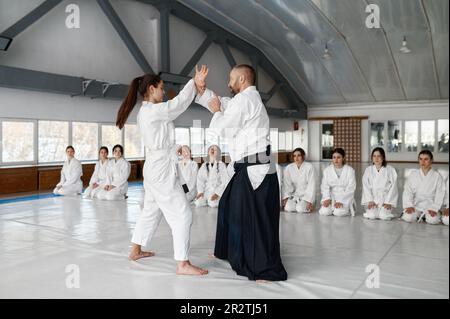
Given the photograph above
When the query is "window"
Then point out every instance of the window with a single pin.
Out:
(111, 135)
(289, 141)
(282, 141)
(327, 141)
(394, 136)
(85, 140)
(53, 138)
(296, 139)
(443, 136)
(182, 136)
(197, 141)
(133, 148)
(411, 135)
(376, 135)
(274, 140)
(427, 129)
(17, 141)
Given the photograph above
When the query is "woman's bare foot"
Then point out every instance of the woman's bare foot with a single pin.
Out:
(136, 253)
(186, 268)
(262, 281)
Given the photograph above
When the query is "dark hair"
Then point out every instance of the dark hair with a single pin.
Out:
(249, 72)
(70, 147)
(118, 146)
(383, 154)
(301, 150)
(426, 152)
(104, 148)
(340, 151)
(141, 85)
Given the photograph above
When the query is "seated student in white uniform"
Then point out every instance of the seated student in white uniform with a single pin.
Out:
(189, 170)
(98, 178)
(424, 192)
(212, 179)
(70, 183)
(380, 190)
(445, 210)
(338, 187)
(117, 175)
(299, 184)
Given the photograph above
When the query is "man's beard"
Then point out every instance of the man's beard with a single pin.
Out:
(233, 91)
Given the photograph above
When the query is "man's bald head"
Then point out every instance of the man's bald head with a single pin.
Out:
(241, 77)
(248, 71)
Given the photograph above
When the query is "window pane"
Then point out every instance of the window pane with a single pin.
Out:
(197, 141)
(394, 136)
(427, 135)
(443, 136)
(85, 140)
(327, 141)
(376, 135)
(134, 148)
(18, 141)
(274, 140)
(289, 141)
(52, 141)
(282, 141)
(296, 139)
(182, 136)
(411, 135)
(111, 135)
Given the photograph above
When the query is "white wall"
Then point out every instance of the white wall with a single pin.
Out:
(421, 110)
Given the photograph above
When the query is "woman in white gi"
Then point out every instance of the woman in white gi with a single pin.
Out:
(117, 173)
(424, 192)
(70, 183)
(338, 187)
(98, 178)
(380, 191)
(164, 194)
(212, 179)
(445, 210)
(299, 184)
(189, 170)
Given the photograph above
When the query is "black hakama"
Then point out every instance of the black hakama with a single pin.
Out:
(248, 226)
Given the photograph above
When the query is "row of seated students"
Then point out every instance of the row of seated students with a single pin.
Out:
(425, 194)
(108, 182)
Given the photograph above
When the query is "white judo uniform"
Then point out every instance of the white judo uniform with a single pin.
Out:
(98, 177)
(381, 188)
(189, 171)
(117, 174)
(164, 194)
(299, 187)
(445, 218)
(339, 189)
(70, 179)
(246, 134)
(423, 193)
(211, 181)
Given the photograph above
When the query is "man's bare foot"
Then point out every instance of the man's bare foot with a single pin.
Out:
(136, 253)
(186, 268)
(262, 281)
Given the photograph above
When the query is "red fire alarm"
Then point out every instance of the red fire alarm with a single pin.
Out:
(295, 126)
